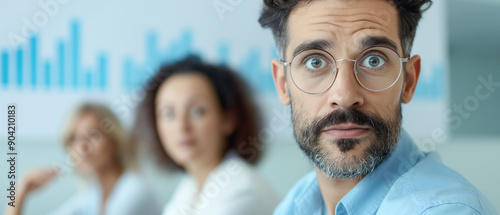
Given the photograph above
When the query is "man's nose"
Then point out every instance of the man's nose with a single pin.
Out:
(345, 91)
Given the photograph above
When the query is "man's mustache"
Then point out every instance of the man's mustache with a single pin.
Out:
(340, 116)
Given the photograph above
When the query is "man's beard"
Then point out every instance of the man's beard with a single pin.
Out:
(380, 144)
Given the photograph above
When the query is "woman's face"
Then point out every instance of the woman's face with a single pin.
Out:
(189, 120)
(91, 149)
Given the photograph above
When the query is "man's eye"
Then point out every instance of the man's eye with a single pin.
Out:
(373, 61)
(315, 63)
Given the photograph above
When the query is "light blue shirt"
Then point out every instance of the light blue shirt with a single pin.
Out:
(407, 182)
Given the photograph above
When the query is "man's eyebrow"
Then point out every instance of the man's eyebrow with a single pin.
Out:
(368, 42)
(313, 44)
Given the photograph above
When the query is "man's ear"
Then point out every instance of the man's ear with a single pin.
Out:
(280, 82)
(411, 79)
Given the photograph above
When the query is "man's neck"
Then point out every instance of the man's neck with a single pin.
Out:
(333, 190)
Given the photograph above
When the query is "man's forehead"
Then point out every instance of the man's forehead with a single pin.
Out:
(355, 20)
(379, 8)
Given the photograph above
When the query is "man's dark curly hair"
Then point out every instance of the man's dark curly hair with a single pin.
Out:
(275, 16)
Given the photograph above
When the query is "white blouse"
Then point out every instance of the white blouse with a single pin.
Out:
(233, 187)
(129, 197)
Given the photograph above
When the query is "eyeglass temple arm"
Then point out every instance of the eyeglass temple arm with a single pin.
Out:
(284, 63)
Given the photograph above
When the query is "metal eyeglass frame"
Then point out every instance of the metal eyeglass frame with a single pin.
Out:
(401, 61)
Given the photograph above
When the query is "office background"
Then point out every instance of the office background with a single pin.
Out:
(56, 54)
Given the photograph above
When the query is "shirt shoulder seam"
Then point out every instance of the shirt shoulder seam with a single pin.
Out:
(450, 203)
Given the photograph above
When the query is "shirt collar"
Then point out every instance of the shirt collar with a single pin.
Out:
(367, 195)
(310, 200)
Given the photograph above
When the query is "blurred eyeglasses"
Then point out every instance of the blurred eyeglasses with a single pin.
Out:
(313, 71)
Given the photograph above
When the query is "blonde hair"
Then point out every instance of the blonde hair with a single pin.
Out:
(109, 126)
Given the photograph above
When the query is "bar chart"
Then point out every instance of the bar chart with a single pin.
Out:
(66, 71)
(52, 73)
(432, 87)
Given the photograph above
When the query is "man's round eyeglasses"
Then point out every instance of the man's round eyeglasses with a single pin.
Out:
(313, 71)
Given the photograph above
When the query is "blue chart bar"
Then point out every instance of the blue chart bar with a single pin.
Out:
(47, 74)
(75, 50)
(151, 49)
(5, 68)
(34, 59)
(432, 88)
(19, 67)
(127, 74)
(258, 76)
(102, 65)
(61, 65)
(224, 53)
(88, 79)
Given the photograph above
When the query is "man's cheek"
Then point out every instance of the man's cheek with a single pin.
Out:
(384, 110)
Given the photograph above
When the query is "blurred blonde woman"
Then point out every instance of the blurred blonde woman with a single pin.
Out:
(104, 158)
